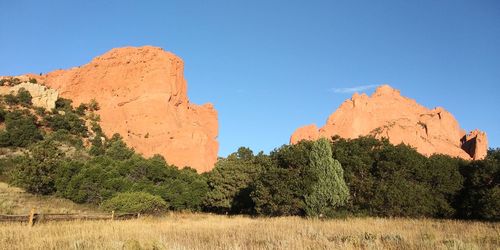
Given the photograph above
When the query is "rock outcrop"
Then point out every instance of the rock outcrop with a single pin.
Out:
(41, 96)
(402, 120)
(142, 95)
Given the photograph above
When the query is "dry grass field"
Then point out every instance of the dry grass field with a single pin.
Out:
(15, 200)
(204, 231)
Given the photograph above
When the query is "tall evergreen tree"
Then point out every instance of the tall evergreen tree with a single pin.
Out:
(330, 190)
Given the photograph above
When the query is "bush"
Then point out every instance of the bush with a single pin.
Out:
(230, 183)
(10, 99)
(282, 186)
(395, 180)
(21, 128)
(24, 97)
(93, 105)
(37, 172)
(3, 113)
(117, 149)
(68, 121)
(480, 196)
(136, 202)
(64, 104)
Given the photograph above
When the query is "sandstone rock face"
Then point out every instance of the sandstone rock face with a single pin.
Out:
(142, 95)
(41, 96)
(402, 120)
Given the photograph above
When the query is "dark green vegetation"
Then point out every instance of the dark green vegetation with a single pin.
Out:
(136, 202)
(46, 155)
(360, 177)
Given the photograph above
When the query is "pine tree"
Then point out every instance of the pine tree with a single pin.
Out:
(330, 190)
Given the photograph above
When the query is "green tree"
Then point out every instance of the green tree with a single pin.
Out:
(69, 121)
(64, 104)
(21, 128)
(37, 172)
(230, 183)
(24, 97)
(136, 202)
(479, 198)
(117, 149)
(283, 184)
(395, 180)
(330, 190)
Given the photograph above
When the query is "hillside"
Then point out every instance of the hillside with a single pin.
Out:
(143, 97)
(14, 200)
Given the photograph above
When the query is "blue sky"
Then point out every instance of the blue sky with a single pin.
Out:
(272, 66)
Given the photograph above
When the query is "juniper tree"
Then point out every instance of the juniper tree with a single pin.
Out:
(330, 190)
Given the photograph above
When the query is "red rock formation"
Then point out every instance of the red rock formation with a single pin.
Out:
(388, 114)
(142, 95)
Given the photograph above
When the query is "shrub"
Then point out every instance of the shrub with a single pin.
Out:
(480, 196)
(136, 202)
(117, 149)
(64, 104)
(395, 180)
(10, 99)
(24, 97)
(21, 128)
(80, 110)
(37, 172)
(4, 138)
(230, 183)
(41, 111)
(3, 113)
(93, 105)
(68, 121)
(282, 186)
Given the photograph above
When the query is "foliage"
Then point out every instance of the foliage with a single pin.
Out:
(63, 104)
(230, 182)
(24, 97)
(282, 186)
(117, 149)
(480, 196)
(20, 129)
(3, 113)
(67, 120)
(36, 172)
(93, 105)
(330, 190)
(136, 202)
(395, 180)
(11, 99)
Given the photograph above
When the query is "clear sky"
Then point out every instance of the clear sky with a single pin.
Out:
(272, 66)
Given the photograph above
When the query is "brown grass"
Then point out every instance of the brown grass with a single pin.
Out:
(204, 231)
(15, 200)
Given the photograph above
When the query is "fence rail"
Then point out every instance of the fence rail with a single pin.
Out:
(33, 217)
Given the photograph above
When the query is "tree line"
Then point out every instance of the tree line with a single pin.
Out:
(323, 178)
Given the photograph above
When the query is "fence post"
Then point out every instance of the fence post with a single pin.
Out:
(32, 217)
(113, 215)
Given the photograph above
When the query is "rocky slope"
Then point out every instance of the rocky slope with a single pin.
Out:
(402, 120)
(41, 96)
(142, 95)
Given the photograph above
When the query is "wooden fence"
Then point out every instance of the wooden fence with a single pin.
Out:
(34, 217)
